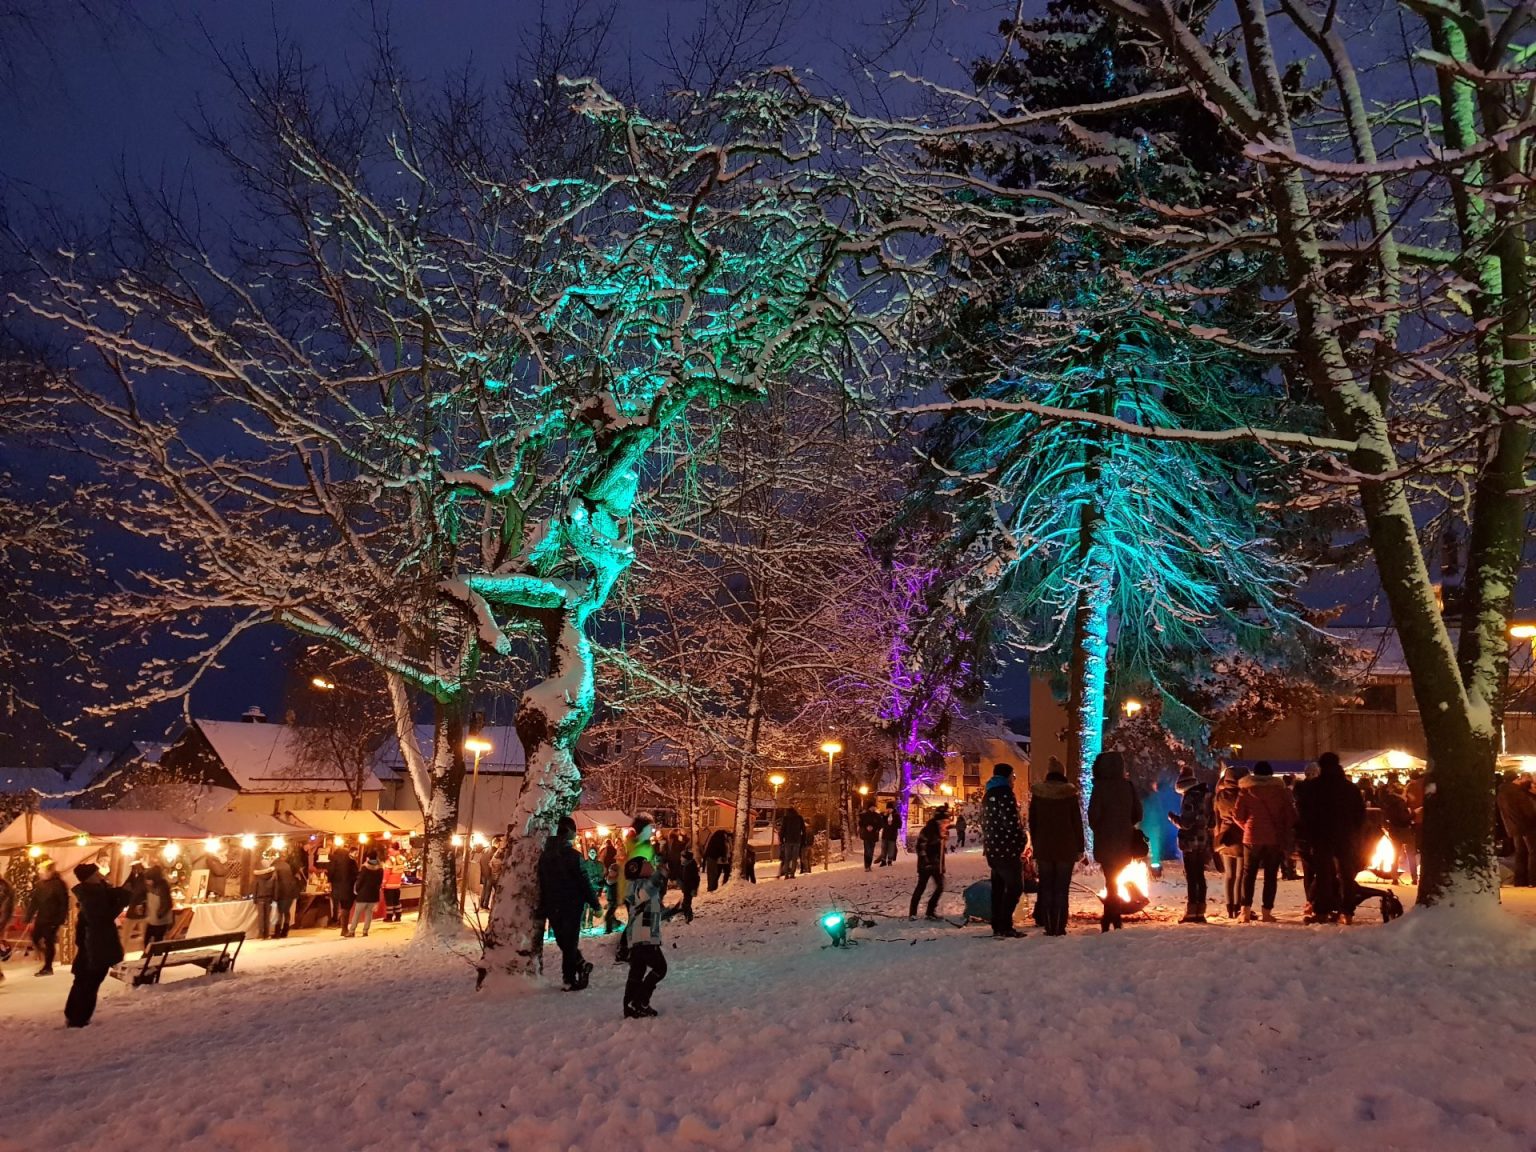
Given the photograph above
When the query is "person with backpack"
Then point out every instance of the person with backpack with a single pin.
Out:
(1002, 842)
(48, 909)
(1193, 822)
(365, 894)
(871, 824)
(1114, 811)
(644, 886)
(791, 834)
(341, 871)
(931, 842)
(890, 832)
(1056, 833)
(1266, 812)
(565, 893)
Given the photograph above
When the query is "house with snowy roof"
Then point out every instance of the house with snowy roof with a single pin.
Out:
(501, 775)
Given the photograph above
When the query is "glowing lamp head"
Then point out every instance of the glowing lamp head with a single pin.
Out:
(170, 852)
(603, 830)
(82, 840)
(835, 925)
(211, 844)
(776, 780)
(863, 789)
(130, 849)
(1522, 631)
(338, 840)
(456, 840)
(34, 851)
(1131, 707)
(322, 683)
(477, 746)
(947, 789)
(362, 837)
(478, 840)
(831, 747)
(279, 843)
(247, 841)
(1398, 761)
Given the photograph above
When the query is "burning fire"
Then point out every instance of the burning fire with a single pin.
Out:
(1132, 883)
(1384, 859)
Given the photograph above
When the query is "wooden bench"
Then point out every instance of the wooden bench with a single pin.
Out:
(210, 953)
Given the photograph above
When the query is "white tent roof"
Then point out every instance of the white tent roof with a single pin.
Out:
(342, 822)
(1382, 760)
(264, 758)
(590, 819)
(58, 826)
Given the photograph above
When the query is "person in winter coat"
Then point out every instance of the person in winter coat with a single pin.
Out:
(890, 832)
(931, 842)
(592, 867)
(286, 887)
(717, 858)
(791, 835)
(1002, 841)
(1330, 822)
(565, 892)
(960, 827)
(1227, 835)
(97, 944)
(1517, 809)
(158, 910)
(1056, 832)
(265, 887)
(1192, 821)
(612, 867)
(749, 863)
(366, 892)
(1267, 815)
(644, 886)
(871, 824)
(1114, 811)
(341, 870)
(394, 881)
(688, 882)
(47, 909)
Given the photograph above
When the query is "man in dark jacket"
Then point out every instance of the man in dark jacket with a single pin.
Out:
(871, 824)
(286, 887)
(264, 886)
(1330, 816)
(366, 893)
(1002, 841)
(97, 946)
(1056, 830)
(341, 870)
(717, 859)
(47, 908)
(791, 834)
(890, 832)
(1114, 811)
(931, 842)
(1193, 822)
(1517, 809)
(564, 893)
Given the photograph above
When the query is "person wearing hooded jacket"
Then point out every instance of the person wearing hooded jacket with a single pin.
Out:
(1002, 842)
(1267, 815)
(366, 893)
(97, 944)
(1056, 832)
(644, 885)
(930, 846)
(1114, 811)
(1192, 821)
(565, 892)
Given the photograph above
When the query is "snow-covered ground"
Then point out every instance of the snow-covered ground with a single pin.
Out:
(1418, 1035)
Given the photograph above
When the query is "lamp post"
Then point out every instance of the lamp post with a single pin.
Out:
(831, 748)
(776, 781)
(479, 747)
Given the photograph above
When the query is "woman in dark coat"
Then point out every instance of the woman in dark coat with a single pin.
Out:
(97, 945)
(1056, 831)
(1114, 811)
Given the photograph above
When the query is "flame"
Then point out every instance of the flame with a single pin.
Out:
(1132, 882)
(1384, 859)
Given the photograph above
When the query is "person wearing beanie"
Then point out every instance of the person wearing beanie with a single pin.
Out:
(1227, 836)
(565, 892)
(644, 885)
(1266, 813)
(1056, 830)
(97, 944)
(1193, 822)
(1002, 842)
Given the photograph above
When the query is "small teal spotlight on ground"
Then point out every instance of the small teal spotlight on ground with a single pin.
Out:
(836, 926)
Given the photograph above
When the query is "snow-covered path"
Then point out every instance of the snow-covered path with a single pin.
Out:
(1414, 1036)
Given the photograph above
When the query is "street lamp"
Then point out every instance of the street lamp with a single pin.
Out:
(831, 748)
(479, 746)
(1522, 631)
(322, 683)
(776, 781)
(1131, 707)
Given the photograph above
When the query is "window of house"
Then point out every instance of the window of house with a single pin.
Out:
(1379, 698)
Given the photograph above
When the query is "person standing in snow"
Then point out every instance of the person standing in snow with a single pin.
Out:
(960, 827)
(1056, 831)
(394, 881)
(1002, 841)
(158, 910)
(1330, 820)
(717, 856)
(47, 908)
(97, 944)
(1517, 809)
(1227, 835)
(791, 833)
(565, 893)
(688, 882)
(644, 886)
(870, 826)
(341, 870)
(931, 842)
(1114, 811)
(1267, 814)
(366, 893)
(1194, 828)
(593, 867)
(265, 878)
(890, 832)
(748, 864)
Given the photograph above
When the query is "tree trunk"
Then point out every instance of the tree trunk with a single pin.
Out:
(440, 820)
(550, 719)
(1088, 663)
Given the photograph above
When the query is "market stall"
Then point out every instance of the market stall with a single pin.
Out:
(331, 828)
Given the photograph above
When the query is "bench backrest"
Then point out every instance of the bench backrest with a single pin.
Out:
(166, 947)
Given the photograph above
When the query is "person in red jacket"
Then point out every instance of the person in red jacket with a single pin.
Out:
(1267, 814)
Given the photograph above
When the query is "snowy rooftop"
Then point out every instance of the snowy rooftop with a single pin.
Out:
(264, 757)
(504, 759)
(44, 780)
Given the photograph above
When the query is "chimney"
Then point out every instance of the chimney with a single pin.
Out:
(253, 715)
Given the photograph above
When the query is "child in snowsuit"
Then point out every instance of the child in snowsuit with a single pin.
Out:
(644, 884)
